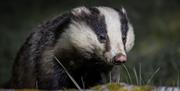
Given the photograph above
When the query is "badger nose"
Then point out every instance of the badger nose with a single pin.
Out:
(119, 58)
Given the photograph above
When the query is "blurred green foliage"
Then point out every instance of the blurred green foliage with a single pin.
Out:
(156, 24)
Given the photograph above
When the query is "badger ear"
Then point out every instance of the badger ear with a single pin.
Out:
(123, 10)
(80, 10)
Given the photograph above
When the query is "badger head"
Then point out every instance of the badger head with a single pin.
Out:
(103, 32)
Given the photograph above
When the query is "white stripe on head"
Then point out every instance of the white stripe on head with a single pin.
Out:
(113, 23)
(81, 33)
(130, 38)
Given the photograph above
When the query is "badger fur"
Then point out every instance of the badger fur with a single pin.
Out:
(89, 42)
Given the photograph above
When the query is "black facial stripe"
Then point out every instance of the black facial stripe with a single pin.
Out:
(100, 28)
(96, 21)
(94, 11)
(108, 46)
(124, 25)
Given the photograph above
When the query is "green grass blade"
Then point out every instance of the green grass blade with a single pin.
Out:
(151, 77)
(140, 75)
(72, 79)
(136, 76)
(128, 73)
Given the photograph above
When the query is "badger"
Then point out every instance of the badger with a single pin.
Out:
(90, 42)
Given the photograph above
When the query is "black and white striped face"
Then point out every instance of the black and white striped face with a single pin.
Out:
(103, 31)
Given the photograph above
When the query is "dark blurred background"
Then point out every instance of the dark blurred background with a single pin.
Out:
(154, 58)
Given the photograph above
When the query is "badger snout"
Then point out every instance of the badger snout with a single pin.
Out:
(119, 58)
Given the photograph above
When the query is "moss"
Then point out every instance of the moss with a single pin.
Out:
(27, 90)
(116, 87)
(110, 87)
(97, 87)
(142, 88)
(70, 90)
(107, 87)
(119, 87)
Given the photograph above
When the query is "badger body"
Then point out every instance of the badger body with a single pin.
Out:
(89, 42)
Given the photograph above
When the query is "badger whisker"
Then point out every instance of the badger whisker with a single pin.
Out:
(72, 79)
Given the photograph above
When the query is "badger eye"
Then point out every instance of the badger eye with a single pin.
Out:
(103, 38)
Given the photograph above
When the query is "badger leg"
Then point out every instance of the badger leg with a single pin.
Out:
(23, 76)
(112, 76)
(24, 73)
(51, 76)
(51, 81)
(115, 74)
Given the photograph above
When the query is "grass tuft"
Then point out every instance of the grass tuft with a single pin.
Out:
(151, 77)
